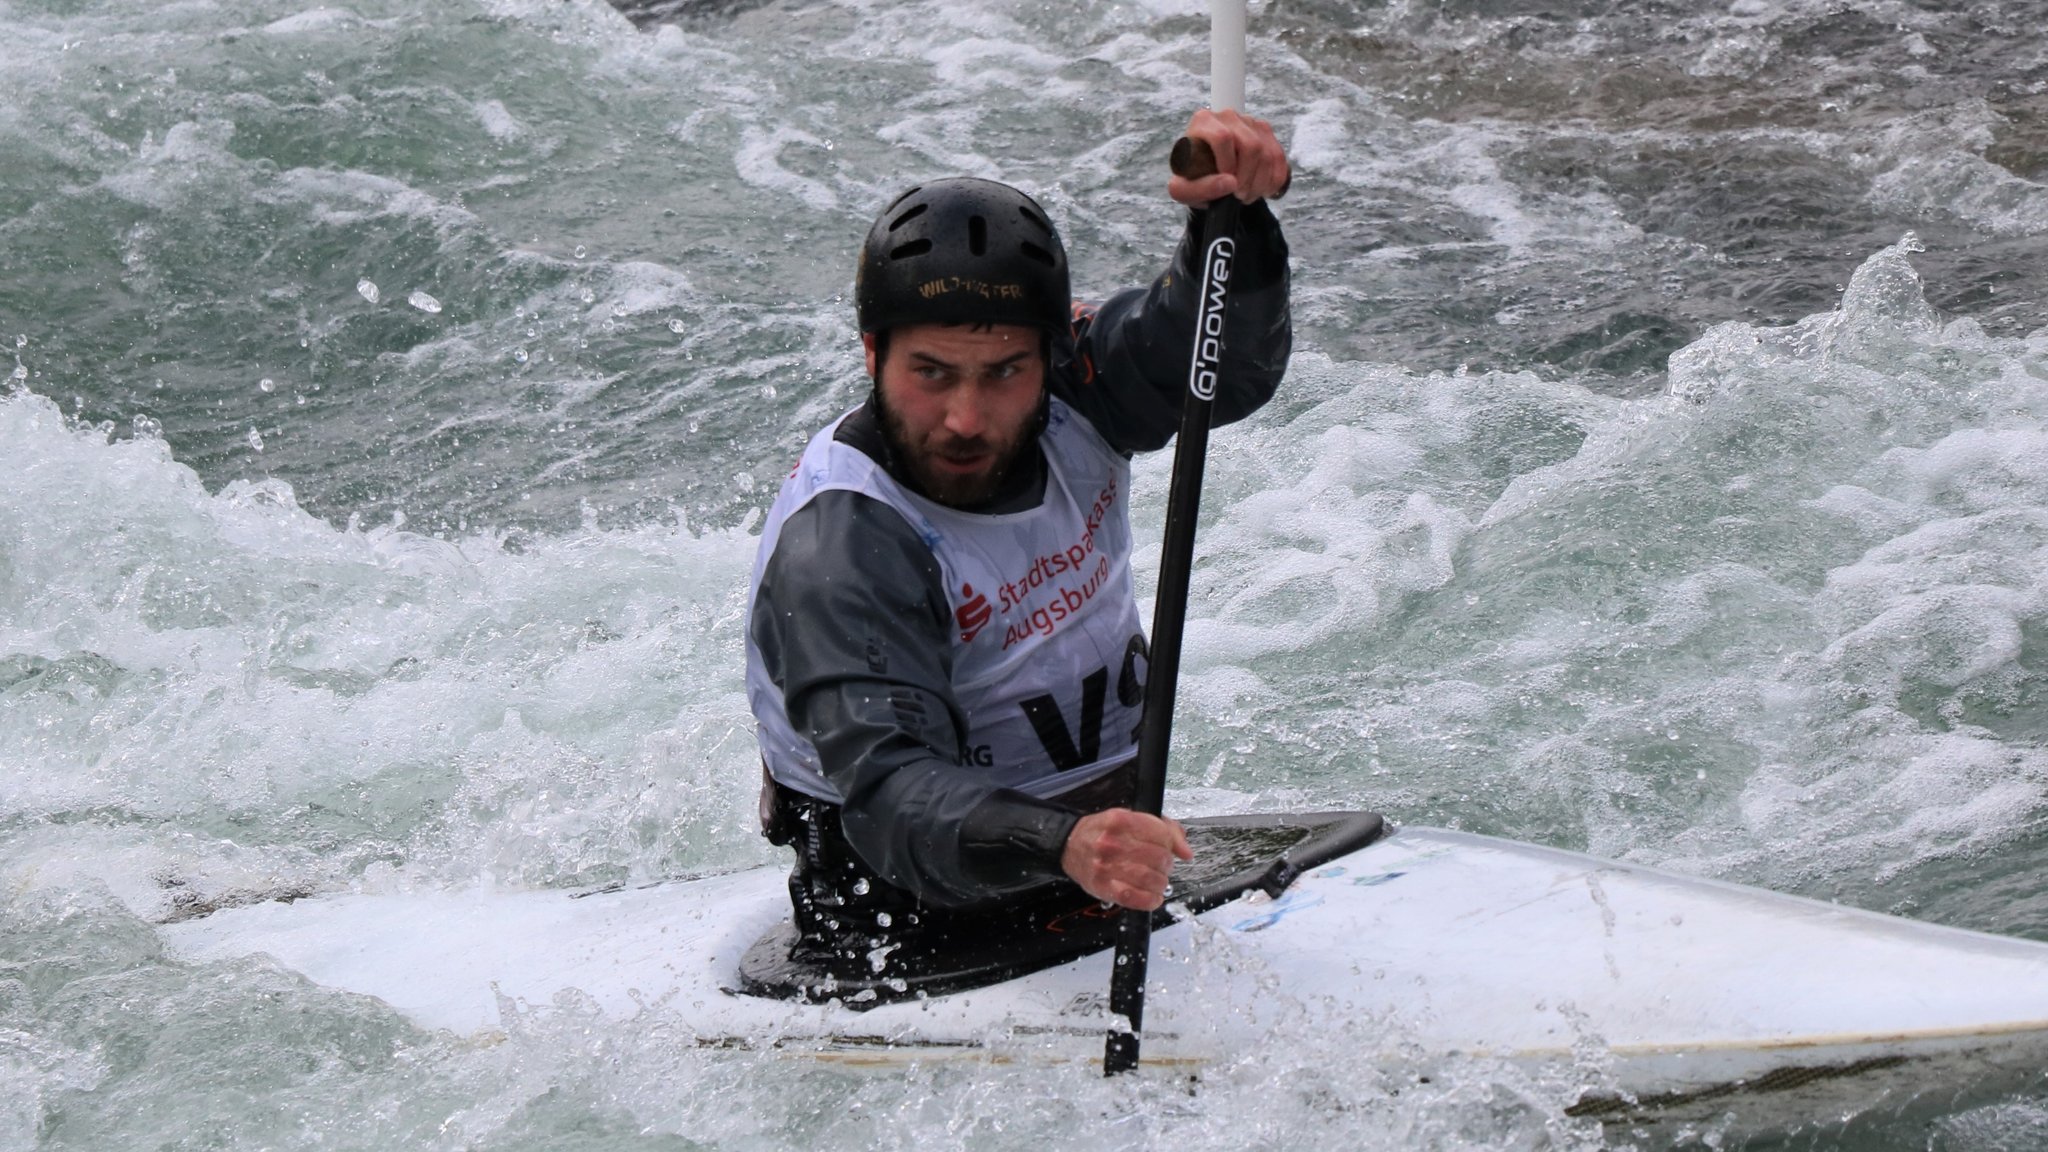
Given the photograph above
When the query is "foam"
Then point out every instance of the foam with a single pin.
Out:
(239, 655)
(500, 123)
(1929, 177)
(758, 163)
(1756, 626)
(312, 20)
(1760, 627)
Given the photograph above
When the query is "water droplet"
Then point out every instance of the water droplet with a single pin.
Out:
(519, 355)
(579, 251)
(367, 289)
(676, 326)
(768, 391)
(519, 311)
(589, 297)
(883, 920)
(298, 399)
(20, 372)
(860, 886)
(266, 384)
(21, 341)
(423, 302)
(618, 309)
(529, 333)
(255, 439)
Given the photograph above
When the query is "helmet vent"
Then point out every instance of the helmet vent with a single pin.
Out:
(1038, 254)
(914, 248)
(1035, 218)
(977, 235)
(907, 217)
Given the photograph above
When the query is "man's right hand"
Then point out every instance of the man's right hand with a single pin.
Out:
(1250, 162)
(1124, 857)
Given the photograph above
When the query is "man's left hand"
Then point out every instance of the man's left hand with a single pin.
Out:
(1250, 163)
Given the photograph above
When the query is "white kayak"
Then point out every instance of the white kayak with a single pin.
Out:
(1697, 996)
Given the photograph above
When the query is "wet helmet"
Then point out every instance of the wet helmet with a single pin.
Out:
(963, 251)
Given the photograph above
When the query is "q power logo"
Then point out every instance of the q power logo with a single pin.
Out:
(1216, 267)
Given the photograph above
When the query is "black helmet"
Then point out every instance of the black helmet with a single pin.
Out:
(963, 251)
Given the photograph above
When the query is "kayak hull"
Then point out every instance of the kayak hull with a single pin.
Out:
(1655, 995)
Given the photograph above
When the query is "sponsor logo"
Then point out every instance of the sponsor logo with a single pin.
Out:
(972, 616)
(1055, 588)
(1216, 267)
(1045, 619)
(1271, 914)
(1059, 563)
(946, 286)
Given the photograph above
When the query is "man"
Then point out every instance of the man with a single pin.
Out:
(944, 653)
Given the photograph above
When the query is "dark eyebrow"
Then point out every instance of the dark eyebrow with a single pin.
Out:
(934, 361)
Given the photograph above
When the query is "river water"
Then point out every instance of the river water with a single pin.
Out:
(397, 387)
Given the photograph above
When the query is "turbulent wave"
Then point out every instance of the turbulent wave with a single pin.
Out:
(1780, 622)
(395, 390)
(1776, 623)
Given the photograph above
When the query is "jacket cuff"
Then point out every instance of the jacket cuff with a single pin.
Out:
(1011, 841)
(1261, 251)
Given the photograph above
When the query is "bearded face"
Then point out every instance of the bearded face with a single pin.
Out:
(960, 404)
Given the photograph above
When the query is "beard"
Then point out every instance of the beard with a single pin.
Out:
(920, 458)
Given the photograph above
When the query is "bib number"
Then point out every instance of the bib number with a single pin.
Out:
(1063, 746)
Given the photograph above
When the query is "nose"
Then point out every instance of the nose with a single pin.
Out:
(964, 416)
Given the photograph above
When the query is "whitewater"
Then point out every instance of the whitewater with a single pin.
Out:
(396, 391)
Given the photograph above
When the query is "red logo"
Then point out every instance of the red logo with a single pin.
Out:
(972, 616)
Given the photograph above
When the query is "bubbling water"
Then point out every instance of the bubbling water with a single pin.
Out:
(1533, 542)
(1774, 624)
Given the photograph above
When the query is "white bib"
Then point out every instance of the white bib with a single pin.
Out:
(1048, 656)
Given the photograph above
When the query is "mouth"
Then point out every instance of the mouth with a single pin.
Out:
(963, 462)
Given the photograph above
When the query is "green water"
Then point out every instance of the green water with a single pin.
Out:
(1600, 508)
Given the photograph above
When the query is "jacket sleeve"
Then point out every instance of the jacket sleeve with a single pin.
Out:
(853, 624)
(1132, 355)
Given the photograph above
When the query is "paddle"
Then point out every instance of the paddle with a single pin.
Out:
(1183, 502)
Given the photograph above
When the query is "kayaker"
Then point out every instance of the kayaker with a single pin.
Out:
(944, 653)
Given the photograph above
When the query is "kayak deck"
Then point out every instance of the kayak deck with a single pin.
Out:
(1690, 992)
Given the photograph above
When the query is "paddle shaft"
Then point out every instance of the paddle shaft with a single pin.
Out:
(1183, 506)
